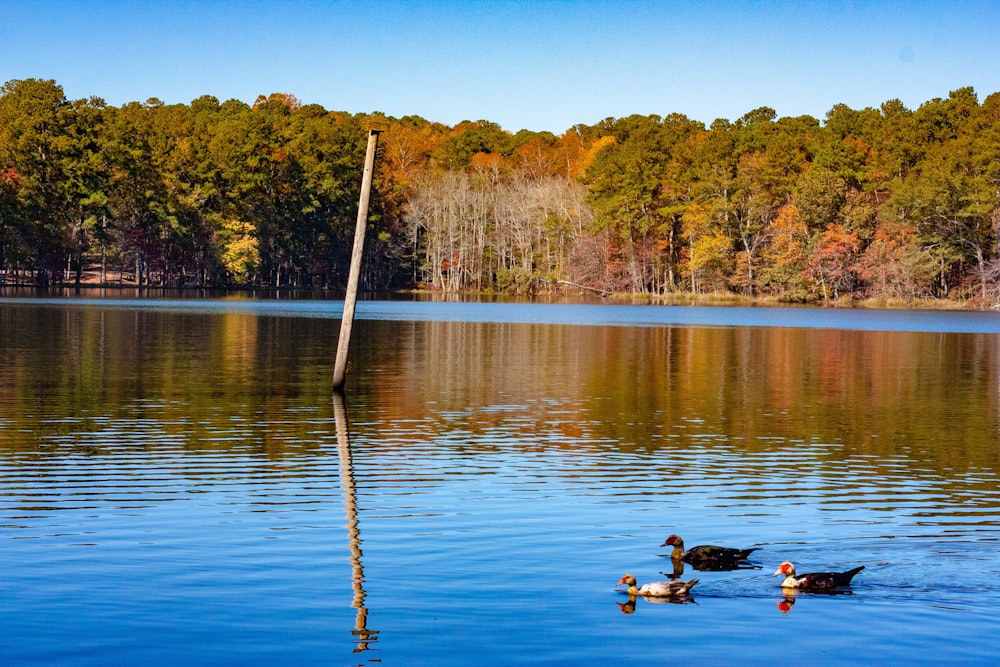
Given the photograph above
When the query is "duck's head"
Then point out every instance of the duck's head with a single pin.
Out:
(673, 540)
(627, 579)
(786, 569)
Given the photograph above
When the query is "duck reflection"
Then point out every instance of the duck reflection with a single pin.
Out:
(790, 595)
(678, 570)
(678, 566)
(629, 606)
(361, 631)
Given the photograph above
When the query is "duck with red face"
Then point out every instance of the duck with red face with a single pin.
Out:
(815, 581)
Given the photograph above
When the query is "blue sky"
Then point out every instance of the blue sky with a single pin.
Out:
(525, 65)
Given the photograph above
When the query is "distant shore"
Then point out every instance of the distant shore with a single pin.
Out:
(90, 279)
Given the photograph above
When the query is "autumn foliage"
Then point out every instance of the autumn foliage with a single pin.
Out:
(886, 203)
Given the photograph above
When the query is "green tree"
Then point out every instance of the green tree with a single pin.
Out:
(468, 138)
(636, 192)
(10, 236)
(136, 153)
(35, 145)
(951, 196)
(773, 157)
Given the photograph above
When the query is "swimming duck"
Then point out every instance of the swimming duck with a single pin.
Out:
(707, 556)
(657, 589)
(815, 581)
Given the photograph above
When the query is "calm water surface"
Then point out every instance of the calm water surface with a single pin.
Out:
(178, 486)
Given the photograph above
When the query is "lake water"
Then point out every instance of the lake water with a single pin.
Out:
(178, 485)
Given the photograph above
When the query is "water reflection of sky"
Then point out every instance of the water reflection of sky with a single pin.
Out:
(568, 313)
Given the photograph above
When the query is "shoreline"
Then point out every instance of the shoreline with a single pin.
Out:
(675, 299)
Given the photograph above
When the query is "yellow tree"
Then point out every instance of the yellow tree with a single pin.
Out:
(709, 260)
(240, 250)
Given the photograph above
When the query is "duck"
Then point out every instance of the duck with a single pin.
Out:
(657, 589)
(815, 581)
(707, 556)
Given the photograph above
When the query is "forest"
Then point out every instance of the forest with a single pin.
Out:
(887, 204)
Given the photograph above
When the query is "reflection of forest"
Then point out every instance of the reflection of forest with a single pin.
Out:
(926, 397)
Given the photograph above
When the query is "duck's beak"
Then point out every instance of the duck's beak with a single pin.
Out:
(777, 572)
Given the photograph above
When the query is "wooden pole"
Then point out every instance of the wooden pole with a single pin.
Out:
(350, 299)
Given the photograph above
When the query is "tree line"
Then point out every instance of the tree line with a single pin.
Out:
(887, 203)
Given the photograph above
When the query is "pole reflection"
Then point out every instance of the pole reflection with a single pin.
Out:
(361, 631)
